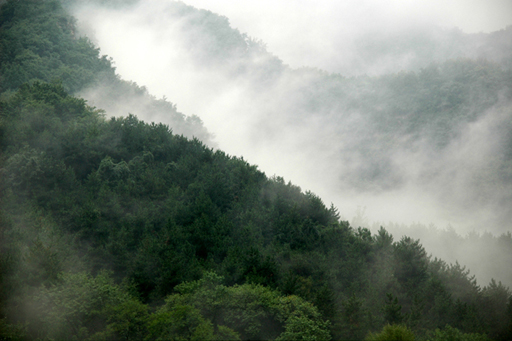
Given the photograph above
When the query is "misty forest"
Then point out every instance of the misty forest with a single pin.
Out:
(122, 218)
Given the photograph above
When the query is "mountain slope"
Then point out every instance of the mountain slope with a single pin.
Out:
(117, 229)
(435, 138)
(371, 137)
(41, 42)
(81, 193)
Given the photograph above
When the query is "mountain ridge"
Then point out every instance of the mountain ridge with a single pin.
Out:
(113, 228)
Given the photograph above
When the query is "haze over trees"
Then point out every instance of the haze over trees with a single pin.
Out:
(429, 144)
(431, 138)
(116, 228)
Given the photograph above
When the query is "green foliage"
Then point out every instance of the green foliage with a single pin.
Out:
(81, 194)
(393, 310)
(302, 328)
(42, 44)
(353, 324)
(163, 209)
(412, 263)
(179, 322)
(11, 332)
(453, 334)
(496, 302)
(392, 332)
(126, 321)
(74, 308)
(251, 311)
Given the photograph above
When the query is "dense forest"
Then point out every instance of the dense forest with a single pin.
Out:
(116, 228)
(430, 143)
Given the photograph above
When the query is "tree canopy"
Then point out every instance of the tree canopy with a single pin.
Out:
(114, 228)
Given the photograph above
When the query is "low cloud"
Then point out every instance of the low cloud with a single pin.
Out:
(269, 118)
(330, 34)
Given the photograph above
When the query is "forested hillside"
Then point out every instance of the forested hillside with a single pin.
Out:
(484, 253)
(40, 41)
(438, 131)
(115, 228)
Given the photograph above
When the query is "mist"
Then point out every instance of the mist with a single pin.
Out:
(255, 102)
(156, 153)
(331, 35)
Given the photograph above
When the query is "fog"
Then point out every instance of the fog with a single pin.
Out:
(327, 34)
(264, 117)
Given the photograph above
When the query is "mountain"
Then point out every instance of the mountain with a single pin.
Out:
(48, 47)
(431, 141)
(114, 228)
